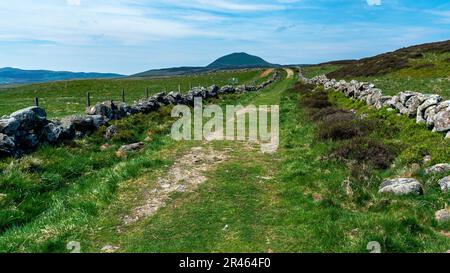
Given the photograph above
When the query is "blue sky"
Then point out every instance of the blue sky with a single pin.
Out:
(129, 36)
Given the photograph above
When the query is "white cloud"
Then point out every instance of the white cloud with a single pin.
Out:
(374, 2)
(73, 2)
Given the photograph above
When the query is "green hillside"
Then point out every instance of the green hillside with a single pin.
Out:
(69, 97)
(237, 60)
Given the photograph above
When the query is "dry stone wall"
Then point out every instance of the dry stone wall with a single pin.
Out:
(429, 109)
(24, 130)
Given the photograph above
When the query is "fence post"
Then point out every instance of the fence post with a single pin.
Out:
(146, 92)
(36, 101)
(88, 99)
(123, 95)
(179, 88)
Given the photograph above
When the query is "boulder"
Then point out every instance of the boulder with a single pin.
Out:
(432, 100)
(52, 132)
(130, 148)
(442, 121)
(107, 109)
(413, 104)
(405, 96)
(213, 90)
(82, 124)
(444, 183)
(438, 168)
(111, 131)
(30, 118)
(401, 186)
(443, 216)
(9, 125)
(7, 145)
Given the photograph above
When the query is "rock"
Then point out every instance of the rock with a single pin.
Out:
(432, 100)
(401, 186)
(83, 124)
(447, 135)
(106, 109)
(405, 96)
(442, 121)
(439, 168)
(132, 147)
(427, 159)
(30, 118)
(111, 132)
(7, 145)
(443, 215)
(28, 142)
(445, 184)
(52, 132)
(98, 121)
(109, 249)
(9, 125)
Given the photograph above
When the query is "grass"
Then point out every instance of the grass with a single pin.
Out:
(316, 70)
(427, 74)
(290, 201)
(69, 97)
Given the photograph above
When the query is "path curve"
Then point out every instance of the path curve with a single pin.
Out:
(290, 73)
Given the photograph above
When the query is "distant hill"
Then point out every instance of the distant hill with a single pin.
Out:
(388, 62)
(232, 61)
(239, 60)
(176, 71)
(9, 75)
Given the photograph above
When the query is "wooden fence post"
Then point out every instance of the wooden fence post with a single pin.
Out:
(179, 88)
(36, 101)
(88, 99)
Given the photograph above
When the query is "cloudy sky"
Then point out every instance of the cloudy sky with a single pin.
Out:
(129, 36)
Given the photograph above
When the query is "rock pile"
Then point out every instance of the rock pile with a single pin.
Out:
(22, 131)
(428, 109)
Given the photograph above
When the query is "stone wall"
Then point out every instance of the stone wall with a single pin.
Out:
(24, 130)
(429, 109)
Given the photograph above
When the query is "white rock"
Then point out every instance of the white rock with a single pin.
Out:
(439, 168)
(445, 183)
(401, 186)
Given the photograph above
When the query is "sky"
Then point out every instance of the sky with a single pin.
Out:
(131, 36)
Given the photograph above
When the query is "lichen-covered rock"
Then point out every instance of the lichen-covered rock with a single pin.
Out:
(52, 133)
(438, 168)
(442, 121)
(83, 124)
(126, 149)
(111, 131)
(401, 186)
(9, 125)
(30, 118)
(432, 100)
(7, 145)
(106, 109)
(444, 183)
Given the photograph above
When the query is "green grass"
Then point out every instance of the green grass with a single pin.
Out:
(316, 70)
(290, 201)
(69, 97)
(430, 74)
